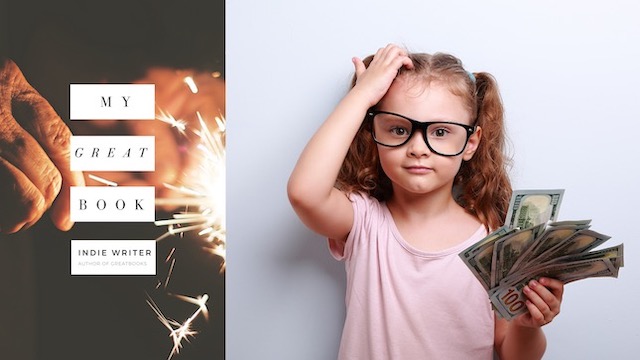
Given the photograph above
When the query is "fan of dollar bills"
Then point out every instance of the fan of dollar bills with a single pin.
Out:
(532, 244)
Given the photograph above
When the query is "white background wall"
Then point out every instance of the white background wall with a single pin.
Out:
(570, 76)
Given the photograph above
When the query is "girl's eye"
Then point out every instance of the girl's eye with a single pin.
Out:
(400, 131)
(440, 132)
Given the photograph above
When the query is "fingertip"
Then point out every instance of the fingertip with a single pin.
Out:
(61, 218)
(60, 212)
(66, 225)
(546, 281)
(408, 63)
(13, 229)
(76, 178)
(359, 66)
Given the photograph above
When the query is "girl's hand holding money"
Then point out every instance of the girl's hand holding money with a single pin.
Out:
(544, 299)
(522, 338)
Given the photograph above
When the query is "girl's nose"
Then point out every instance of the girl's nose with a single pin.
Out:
(417, 145)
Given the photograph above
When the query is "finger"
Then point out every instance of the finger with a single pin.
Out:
(401, 61)
(381, 57)
(535, 315)
(20, 149)
(392, 49)
(555, 286)
(37, 116)
(22, 203)
(406, 62)
(395, 57)
(547, 296)
(392, 52)
(358, 65)
(541, 297)
(60, 213)
(400, 57)
(54, 138)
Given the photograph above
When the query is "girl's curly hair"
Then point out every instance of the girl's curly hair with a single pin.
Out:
(482, 184)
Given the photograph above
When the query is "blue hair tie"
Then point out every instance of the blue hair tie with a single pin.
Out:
(471, 76)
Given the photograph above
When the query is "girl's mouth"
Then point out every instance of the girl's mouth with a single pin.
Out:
(418, 169)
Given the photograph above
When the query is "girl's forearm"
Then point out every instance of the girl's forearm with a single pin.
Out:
(317, 168)
(523, 343)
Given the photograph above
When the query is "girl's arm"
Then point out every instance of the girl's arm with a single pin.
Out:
(523, 338)
(311, 191)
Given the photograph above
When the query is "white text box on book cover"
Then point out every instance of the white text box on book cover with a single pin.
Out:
(113, 257)
(112, 153)
(112, 101)
(112, 203)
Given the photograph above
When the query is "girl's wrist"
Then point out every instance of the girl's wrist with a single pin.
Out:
(361, 98)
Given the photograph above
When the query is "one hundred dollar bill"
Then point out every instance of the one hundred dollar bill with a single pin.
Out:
(580, 242)
(478, 257)
(507, 250)
(529, 208)
(552, 236)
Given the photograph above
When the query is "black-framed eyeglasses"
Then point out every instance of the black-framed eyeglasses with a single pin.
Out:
(444, 138)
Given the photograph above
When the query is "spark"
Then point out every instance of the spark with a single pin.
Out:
(170, 254)
(102, 180)
(201, 301)
(173, 262)
(191, 84)
(180, 331)
(181, 125)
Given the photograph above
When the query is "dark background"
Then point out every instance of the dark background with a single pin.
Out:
(44, 312)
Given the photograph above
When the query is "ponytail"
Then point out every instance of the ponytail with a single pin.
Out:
(484, 187)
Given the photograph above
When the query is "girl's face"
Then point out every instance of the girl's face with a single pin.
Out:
(413, 167)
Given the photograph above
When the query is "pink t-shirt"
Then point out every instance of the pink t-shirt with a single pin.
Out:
(403, 303)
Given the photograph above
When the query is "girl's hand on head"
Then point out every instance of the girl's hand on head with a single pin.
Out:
(544, 299)
(374, 81)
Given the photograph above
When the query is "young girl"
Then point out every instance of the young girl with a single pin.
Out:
(419, 180)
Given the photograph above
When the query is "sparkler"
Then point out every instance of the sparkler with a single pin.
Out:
(201, 197)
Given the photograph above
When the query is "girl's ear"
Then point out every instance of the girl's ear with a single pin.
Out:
(472, 144)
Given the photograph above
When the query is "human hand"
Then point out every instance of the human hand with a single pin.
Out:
(34, 156)
(544, 299)
(174, 149)
(374, 81)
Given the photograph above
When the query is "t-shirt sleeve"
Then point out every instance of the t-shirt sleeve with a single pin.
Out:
(361, 207)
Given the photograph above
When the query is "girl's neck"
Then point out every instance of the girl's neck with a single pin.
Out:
(431, 222)
(433, 204)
